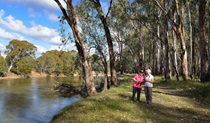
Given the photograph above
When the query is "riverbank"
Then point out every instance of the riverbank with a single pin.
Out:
(34, 74)
(31, 75)
(172, 102)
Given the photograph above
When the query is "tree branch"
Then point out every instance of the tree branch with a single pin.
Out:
(110, 6)
(160, 6)
(153, 32)
(63, 11)
(166, 13)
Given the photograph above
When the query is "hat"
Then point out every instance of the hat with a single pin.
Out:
(148, 71)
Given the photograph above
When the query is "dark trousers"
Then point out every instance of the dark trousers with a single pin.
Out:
(148, 94)
(138, 91)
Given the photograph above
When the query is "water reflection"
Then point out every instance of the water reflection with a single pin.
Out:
(30, 100)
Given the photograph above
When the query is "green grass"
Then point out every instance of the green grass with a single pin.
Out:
(191, 88)
(114, 106)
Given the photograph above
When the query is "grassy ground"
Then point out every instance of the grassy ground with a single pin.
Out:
(172, 102)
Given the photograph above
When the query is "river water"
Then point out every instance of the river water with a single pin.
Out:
(31, 100)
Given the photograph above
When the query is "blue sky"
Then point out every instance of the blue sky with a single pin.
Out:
(33, 20)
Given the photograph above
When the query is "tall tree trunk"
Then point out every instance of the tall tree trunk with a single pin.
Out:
(203, 46)
(141, 52)
(175, 49)
(106, 77)
(83, 54)
(109, 41)
(191, 43)
(162, 62)
(104, 62)
(174, 59)
(121, 64)
(153, 56)
(194, 61)
(158, 47)
(209, 36)
(181, 34)
(167, 55)
(10, 67)
(157, 71)
(120, 48)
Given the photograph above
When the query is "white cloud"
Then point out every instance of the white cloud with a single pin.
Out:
(51, 16)
(44, 4)
(40, 50)
(68, 47)
(33, 13)
(2, 49)
(9, 35)
(54, 47)
(37, 32)
(34, 7)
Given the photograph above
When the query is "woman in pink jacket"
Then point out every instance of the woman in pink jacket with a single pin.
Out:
(137, 85)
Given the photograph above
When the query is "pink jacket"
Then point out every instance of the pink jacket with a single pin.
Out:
(138, 78)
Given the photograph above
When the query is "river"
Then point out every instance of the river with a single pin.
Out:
(31, 100)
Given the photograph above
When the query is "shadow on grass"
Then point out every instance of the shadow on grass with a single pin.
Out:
(192, 89)
(161, 113)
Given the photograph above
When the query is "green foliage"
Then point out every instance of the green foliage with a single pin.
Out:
(3, 66)
(201, 92)
(24, 66)
(17, 49)
(57, 62)
(19, 56)
(97, 65)
(93, 34)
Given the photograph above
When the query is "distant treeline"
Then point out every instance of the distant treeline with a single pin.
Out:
(21, 60)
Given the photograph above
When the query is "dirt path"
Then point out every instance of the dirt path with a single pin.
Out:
(178, 107)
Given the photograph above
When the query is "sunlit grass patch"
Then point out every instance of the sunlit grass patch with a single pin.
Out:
(115, 106)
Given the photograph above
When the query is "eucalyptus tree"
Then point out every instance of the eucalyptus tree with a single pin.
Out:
(69, 59)
(192, 31)
(57, 62)
(94, 36)
(103, 18)
(203, 45)
(166, 42)
(24, 66)
(3, 65)
(121, 29)
(208, 6)
(16, 50)
(50, 62)
(126, 32)
(69, 15)
(178, 6)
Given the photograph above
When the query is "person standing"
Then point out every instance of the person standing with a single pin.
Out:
(149, 79)
(137, 85)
